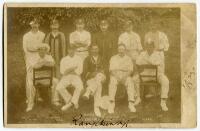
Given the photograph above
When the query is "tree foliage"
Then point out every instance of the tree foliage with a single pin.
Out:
(19, 18)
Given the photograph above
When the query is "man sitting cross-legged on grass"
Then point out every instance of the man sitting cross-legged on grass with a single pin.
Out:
(152, 57)
(39, 60)
(93, 72)
(121, 68)
(71, 67)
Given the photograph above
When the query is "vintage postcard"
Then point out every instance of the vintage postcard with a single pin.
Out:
(100, 65)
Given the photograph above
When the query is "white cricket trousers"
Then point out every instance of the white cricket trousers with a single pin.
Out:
(94, 85)
(164, 82)
(65, 82)
(129, 87)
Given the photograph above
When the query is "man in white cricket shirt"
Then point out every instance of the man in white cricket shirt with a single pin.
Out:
(152, 57)
(31, 41)
(121, 68)
(71, 67)
(81, 39)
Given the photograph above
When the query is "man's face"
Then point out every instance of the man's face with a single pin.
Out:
(35, 27)
(94, 50)
(71, 51)
(42, 52)
(80, 27)
(104, 27)
(153, 27)
(54, 28)
(121, 50)
(129, 28)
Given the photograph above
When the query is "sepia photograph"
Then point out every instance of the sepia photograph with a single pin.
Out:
(99, 65)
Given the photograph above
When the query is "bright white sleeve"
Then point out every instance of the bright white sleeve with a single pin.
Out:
(50, 59)
(71, 38)
(79, 69)
(112, 64)
(155, 59)
(164, 41)
(25, 41)
(88, 40)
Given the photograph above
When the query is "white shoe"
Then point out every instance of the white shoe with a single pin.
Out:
(40, 99)
(29, 108)
(56, 103)
(163, 105)
(76, 106)
(97, 111)
(66, 107)
(131, 107)
(137, 101)
(111, 108)
(86, 96)
(149, 95)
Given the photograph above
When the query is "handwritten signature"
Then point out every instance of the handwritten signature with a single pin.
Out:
(81, 121)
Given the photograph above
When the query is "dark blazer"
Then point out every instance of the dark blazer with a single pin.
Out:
(90, 66)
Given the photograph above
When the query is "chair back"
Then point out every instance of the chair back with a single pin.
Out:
(148, 73)
(43, 76)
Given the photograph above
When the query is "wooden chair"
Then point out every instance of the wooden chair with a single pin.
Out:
(42, 78)
(148, 80)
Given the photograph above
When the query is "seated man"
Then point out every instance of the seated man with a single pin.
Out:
(39, 60)
(152, 57)
(93, 72)
(71, 67)
(121, 68)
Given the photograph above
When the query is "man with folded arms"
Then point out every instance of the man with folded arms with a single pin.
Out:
(80, 38)
(152, 57)
(121, 68)
(71, 67)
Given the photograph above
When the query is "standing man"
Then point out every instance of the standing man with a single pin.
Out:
(56, 41)
(31, 41)
(133, 45)
(152, 57)
(160, 41)
(93, 72)
(81, 39)
(121, 68)
(71, 67)
(106, 41)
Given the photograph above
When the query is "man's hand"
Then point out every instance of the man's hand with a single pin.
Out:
(115, 74)
(70, 70)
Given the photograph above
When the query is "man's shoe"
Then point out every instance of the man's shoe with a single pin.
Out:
(29, 108)
(131, 107)
(97, 111)
(111, 108)
(137, 101)
(164, 105)
(56, 103)
(149, 96)
(86, 96)
(66, 107)
(40, 99)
